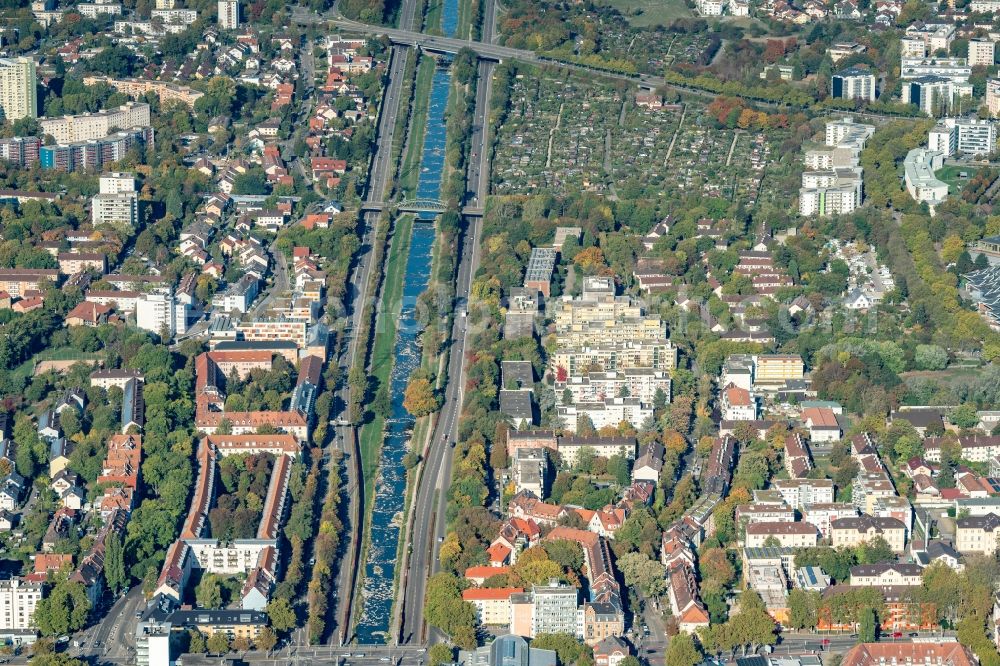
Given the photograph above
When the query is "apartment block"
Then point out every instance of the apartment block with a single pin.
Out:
(136, 88)
(885, 574)
(18, 599)
(777, 369)
(92, 126)
(850, 532)
(21, 150)
(641, 383)
(977, 534)
(95, 153)
(993, 97)
(16, 281)
(787, 535)
(156, 312)
(822, 514)
(609, 412)
(798, 493)
(981, 52)
(229, 14)
(967, 136)
(604, 447)
(492, 604)
(118, 210)
(555, 610)
(655, 355)
(853, 83)
(273, 329)
(18, 88)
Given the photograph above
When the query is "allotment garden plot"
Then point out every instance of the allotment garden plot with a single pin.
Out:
(609, 144)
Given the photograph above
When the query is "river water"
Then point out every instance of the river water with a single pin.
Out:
(374, 621)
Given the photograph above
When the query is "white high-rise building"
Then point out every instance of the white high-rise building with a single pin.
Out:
(993, 96)
(967, 136)
(118, 202)
(833, 185)
(118, 210)
(229, 14)
(17, 603)
(981, 52)
(853, 83)
(117, 182)
(156, 312)
(18, 88)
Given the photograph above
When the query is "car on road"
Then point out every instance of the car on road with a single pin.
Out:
(913, 634)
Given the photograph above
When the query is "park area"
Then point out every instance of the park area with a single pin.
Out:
(649, 13)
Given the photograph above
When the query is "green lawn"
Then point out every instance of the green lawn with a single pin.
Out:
(950, 175)
(409, 171)
(643, 13)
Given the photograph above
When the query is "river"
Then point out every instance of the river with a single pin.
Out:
(374, 621)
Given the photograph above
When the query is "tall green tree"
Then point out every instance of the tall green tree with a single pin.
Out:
(867, 626)
(682, 651)
(64, 611)
(114, 564)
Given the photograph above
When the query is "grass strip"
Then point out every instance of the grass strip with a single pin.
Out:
(409, 172)
(385, 341)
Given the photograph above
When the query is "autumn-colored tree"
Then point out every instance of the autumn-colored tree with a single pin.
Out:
(590, 260)
(419, 399)
(951, 248)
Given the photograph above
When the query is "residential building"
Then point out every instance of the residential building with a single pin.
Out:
(977, 534)
(798, 493)
(918, 176)
(156, 312)
(93, 126)
(93, 154)
(610, 652)
(737, 404)
(934, 36)
(641, 383)
(948, 653)
(119, 210)
(993, 97)
(981, 52)
(555, 609)
(685, 603)
(492, 604)
(968, 136)
(854, 531)
(787, 535)
(569, 447)
(137, 88)
(853, 83)
(777, 369)
(649, 464)
(822, 424)
(108, 378)
(229, 14)
(822, 514)
(933, 95)
(886, 573)
(609, 412)
(530, 471)
(18, 599)
(748, 514)
(239, 296)
(18, 88)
